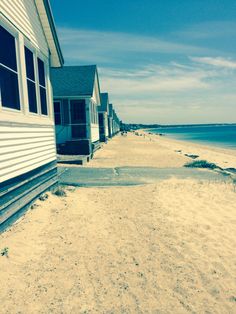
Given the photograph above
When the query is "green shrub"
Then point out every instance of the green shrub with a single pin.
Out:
(201, 164)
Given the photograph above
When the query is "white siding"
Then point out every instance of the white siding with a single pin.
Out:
(94, 132)
(106, 125)
(24, 148)
(23, 15)
(96, 99)
(27, 141)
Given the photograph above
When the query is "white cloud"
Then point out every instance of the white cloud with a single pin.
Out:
(217, 62)
(100, 46)
(153, 80)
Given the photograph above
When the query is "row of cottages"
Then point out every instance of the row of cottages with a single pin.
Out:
(113, 122)
(31, 62)
(116, 123)
(83, 116)
(28, 48)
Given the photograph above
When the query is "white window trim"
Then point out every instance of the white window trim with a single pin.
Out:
(28, 45)
(45, 62)
(9, 28)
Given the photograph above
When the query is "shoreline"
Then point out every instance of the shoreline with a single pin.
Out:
(198, 143)
(204, 149)
(164, 153)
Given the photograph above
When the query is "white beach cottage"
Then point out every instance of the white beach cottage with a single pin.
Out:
(28, 48)
(76, 101)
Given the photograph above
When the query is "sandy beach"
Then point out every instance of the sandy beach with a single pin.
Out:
(163, 248)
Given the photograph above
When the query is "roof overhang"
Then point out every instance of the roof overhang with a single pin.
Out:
(46, 17)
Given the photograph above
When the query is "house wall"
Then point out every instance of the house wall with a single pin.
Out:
(94, 133)
(110, 124)
(24, 147)
(27, 140)
(97, 102)
(106, 125)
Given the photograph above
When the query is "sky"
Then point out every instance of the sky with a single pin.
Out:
(161, 61)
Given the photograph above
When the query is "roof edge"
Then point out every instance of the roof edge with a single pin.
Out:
(53, 29)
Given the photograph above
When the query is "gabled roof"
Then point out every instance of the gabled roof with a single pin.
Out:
(73, 80)
(104, 101)
(48, 24)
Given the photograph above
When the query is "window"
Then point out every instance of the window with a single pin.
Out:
(78, 111)
(9, 89)
(57, 112)
(42, 87)
(29, 63)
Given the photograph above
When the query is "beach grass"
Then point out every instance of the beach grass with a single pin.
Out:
(201, 164)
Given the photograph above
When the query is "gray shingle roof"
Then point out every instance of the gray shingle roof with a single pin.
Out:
(73, 80)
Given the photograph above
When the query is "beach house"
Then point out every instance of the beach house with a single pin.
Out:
(28, 48)
(76, 101)
(103, 117)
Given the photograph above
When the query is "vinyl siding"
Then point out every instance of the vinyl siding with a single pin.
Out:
(25, 148)
(106, 126)
(94, 133)
(23, 15)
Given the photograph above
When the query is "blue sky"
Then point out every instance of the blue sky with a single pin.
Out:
(162, 61)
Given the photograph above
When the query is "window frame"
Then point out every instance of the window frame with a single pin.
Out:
(45, 63)
(21, 41)
(15, 33)
(27, 45)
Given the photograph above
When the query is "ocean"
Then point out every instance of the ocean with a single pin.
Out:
(215, 135)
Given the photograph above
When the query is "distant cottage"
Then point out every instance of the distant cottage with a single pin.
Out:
(103, 111)
(76, 101)
(29, 46)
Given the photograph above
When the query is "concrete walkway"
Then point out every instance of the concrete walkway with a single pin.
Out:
(124, 176)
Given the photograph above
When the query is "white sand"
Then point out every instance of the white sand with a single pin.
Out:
(160, 248)
(158, 151)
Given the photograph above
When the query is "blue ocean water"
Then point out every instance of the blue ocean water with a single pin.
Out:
(216, 135)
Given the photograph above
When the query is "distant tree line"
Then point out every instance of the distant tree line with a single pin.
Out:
(138, 126)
